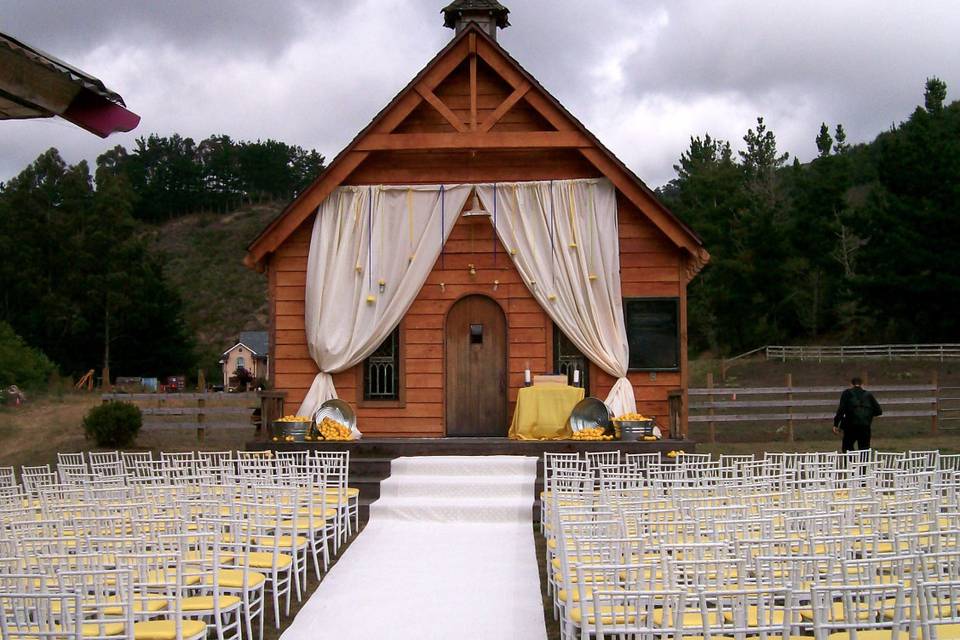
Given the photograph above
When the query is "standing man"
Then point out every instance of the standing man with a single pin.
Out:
(854, 416)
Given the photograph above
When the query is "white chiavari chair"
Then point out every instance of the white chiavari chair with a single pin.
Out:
(336, 467)
(940, 610)
(742, 613)
(868, 611)
(7, 477)
(636, 614)
(76, 459)
(130, 459)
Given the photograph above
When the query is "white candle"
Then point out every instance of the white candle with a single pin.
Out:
(576, 376)
(526, 376)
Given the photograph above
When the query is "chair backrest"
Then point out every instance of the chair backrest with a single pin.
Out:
(131, 458)
(741, 613)
(7, 477)
(864, 608)
(99, 457)
(938, 607)
(71, 458)
(638, 614)
(34, 615)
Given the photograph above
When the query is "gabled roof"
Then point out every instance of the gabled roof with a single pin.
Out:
(256, 341)
(569, 133)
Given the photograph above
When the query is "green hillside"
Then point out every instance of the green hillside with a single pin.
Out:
(204, 264)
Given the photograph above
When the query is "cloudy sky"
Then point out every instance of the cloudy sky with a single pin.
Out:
(643, 75)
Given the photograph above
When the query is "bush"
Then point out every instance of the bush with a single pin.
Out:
(114, 424)
(21, 364)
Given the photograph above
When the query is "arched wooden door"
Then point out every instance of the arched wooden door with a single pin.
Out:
(476, 368)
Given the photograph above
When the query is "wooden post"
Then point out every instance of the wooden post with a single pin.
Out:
(936, 402)
(790, 406)
(105, 382)
(710, 425)
(201, 419)
(201, 381)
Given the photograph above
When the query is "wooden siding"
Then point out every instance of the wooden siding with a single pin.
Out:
(646, 256)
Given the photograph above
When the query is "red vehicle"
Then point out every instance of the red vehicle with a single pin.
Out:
(175, 384)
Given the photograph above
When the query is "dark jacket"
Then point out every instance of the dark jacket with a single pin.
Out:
(857, 408)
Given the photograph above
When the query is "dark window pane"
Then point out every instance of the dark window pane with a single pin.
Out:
(567, 359)
(653, 332)
(381, 371)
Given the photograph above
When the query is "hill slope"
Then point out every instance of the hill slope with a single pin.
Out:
(204, 263)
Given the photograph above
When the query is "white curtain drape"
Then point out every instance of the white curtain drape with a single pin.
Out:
(562, 236)
(371, 250)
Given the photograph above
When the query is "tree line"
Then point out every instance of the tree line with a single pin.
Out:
(79, 284)
(174, 175)
(857, 245)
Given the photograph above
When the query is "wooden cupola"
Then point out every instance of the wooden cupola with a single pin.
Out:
(489, 15)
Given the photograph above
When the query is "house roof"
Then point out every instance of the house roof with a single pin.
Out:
(35, 84)
(258, 342)
(570, 133)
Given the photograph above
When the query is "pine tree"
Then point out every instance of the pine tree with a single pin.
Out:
(824, 141)
(934, 94)
(840, 145)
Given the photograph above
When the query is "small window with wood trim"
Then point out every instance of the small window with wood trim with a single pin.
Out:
(569, 361)
(381, 371)
(653, 333)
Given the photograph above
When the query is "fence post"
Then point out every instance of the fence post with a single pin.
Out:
(710, 425)
(936, 402)
(201, 403)
(790, 406)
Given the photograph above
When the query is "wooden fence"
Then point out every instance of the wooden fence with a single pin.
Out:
(789, 404)
(192, 410)
(941, 352)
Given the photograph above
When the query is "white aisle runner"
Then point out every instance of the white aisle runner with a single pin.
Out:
(448, 553)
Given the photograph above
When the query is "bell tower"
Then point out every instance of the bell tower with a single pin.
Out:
(489, 15)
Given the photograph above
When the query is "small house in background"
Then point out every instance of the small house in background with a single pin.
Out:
(250, 352)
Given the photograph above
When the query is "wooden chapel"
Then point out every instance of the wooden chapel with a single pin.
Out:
(475, 115)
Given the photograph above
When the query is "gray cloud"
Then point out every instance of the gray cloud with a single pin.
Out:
(643, 75)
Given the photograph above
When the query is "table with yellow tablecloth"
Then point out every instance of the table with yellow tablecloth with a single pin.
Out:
(542, 411)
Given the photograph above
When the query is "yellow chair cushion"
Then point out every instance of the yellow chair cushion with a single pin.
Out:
(233, 579)
(871, 634)
(608, 615)
(285, 541)
(690, 618)
(167, 629)
(205, 603)
(574, 594)
(350, 492)
(89, 630)
(836, 614)
(151, 605)
(303, 523)
(160, 577)
(264, 560)
(776, 616)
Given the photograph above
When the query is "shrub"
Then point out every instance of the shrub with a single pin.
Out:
(21, 364)
(114, 424)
